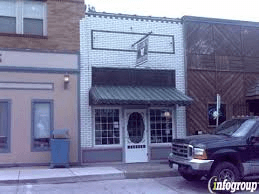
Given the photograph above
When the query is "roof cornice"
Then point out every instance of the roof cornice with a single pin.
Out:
(133, 17)
(218, 21)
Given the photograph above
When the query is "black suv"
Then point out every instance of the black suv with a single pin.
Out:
(231, 153)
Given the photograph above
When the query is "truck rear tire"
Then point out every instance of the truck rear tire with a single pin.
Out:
(191, 177)
(226, 170)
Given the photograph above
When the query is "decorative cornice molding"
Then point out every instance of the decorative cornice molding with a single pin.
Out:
(134, 17)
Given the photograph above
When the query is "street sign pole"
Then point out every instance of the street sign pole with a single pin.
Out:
(218, 108)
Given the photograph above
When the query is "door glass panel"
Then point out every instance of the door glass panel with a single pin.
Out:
(135, 127)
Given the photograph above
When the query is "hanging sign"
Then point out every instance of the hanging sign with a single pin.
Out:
(142, 52)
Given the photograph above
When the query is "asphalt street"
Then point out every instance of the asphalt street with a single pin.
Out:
(168, 185)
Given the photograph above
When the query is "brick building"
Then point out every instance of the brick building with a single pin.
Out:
(130, 113)
(39, 84)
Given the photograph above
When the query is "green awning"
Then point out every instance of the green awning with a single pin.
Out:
(137, 95)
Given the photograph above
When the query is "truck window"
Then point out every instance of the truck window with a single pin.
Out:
(244, 128)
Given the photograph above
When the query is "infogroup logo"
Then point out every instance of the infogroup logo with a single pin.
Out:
(214, 185)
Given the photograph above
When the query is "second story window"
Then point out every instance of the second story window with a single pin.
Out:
(7, 16)
(23, 17)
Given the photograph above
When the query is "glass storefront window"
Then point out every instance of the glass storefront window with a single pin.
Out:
(161, 125)
(107, 127)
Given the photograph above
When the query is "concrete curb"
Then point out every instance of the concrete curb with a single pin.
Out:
(151, 174)
(98, 177)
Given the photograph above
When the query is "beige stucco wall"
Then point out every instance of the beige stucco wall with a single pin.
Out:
(37, 59)
(65, 114)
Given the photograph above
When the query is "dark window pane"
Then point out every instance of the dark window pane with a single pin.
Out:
(116, 133)
(98, 141)
(98, 133)
(33, 26)
(153, 119)
(110, 126)
(104, 126)
(158, 126)
(97, 119)
(117, 140)
(104, 119)
(110, 133)
(7, 24)
(164, 126)
(104, 141)
(164, 133)
(110, 140)
(158, 119)
(97, 126)
(116, 113)
(110, 119)
(153, 126)
(4, 137)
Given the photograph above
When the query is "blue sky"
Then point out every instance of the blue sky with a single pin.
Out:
(247, 10)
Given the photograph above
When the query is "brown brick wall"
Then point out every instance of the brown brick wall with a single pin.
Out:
(63, 28)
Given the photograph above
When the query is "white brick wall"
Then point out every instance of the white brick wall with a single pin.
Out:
(104, 58)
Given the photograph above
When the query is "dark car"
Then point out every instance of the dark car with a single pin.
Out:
(231, 153)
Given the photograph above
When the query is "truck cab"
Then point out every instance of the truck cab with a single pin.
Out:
(231, 152)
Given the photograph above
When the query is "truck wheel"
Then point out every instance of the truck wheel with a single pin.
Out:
(191, 177)
(226, 170)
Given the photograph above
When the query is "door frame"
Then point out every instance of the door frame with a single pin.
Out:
(125, 131)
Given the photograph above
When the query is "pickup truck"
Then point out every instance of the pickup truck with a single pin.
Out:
(231, 152)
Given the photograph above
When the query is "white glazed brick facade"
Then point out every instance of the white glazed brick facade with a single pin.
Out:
(124, 59)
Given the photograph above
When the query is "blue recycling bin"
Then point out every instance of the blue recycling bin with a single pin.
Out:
(59, 144)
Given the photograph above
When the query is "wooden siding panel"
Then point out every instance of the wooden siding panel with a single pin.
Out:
(227, 40)
(251, 64)
(229, 63)
(231, 86)
(192, 37)
(229, 71)
(202, 88)
(199, 38)
(251, 41)
(250, 79)
(201, 62)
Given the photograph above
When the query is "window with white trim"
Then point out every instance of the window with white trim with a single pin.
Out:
(23, 17)
(107, 126)
(42, 124)
(161, 125)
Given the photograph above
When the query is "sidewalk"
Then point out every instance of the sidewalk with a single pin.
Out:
(90, 172)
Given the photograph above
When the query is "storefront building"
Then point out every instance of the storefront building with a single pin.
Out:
(39, 78)
(131, 113)
(221, 58)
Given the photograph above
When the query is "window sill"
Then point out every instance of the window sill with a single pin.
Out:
(106, 146)
(4, 151)
(24, 35)
(160, 144)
